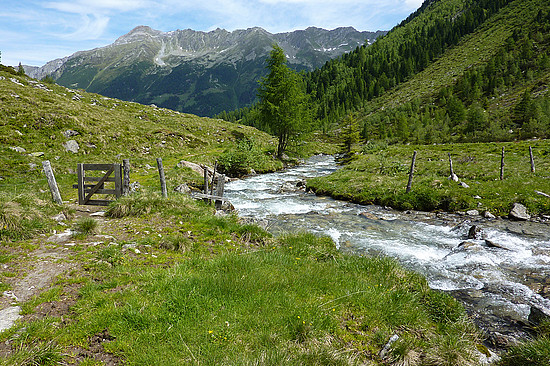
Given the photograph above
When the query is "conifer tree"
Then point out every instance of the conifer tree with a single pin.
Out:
(349, 138)
(283, 103)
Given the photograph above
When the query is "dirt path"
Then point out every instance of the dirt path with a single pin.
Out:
(30, 272)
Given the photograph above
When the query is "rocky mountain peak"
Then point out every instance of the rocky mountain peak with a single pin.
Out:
(139, 33)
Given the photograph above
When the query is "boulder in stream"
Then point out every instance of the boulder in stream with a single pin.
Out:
(538, 315)
(492, 244)
(475, 233)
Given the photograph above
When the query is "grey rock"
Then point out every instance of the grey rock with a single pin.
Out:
(475, 232)
(71, 146)
(194, 167)
(463, 185)
(369, 215)
(453, 177)
(61, 237)
(128, 246)
(134, 187)
(488, 215)
(472, 213)
(467, 245)
(9, 316)
(499, 340)
(538, 315)
(37, 154)
(287, 187)
(227, 206)
(492, 244)
(182, 188)
(519, 212)
(69, 133)
(18, 149)
(59, 217)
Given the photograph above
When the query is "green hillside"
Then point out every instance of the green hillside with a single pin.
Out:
(165, 281)
(455, 71)
(34, 116)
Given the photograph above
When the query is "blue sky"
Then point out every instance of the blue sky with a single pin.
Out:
(34, 32)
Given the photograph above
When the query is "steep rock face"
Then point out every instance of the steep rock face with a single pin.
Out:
(196, 72)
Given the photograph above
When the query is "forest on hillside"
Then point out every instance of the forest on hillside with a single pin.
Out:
(503, 97)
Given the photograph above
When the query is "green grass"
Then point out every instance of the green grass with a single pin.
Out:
(217, 292)
(381, 176)
(23, 215)
(294, 303)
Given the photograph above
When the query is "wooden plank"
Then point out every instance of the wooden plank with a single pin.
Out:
(97, 166)
(102, 191)
(209, 196)
(97, 179)
(89, 195)
(86, 186)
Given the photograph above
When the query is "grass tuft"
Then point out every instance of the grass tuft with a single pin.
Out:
(85, 226)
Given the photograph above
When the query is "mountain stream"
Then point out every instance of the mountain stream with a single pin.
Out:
(497, 284)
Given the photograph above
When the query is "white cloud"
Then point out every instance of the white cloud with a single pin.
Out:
(90, 27)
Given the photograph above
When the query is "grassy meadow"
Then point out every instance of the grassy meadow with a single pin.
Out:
(380, 175)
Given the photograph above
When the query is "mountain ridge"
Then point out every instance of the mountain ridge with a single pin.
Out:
(196, 72)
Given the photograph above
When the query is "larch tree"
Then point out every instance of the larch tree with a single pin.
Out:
(283, 103)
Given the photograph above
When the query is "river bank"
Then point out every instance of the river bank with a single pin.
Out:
(380, 176)
(499, 274)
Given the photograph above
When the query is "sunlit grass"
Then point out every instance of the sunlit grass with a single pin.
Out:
(381, 177)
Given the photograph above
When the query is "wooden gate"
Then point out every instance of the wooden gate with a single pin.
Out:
(86, 191)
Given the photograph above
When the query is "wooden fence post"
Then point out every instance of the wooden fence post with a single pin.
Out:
(409, 185)
(219, 190)
(453, 176)
(502, 164)
(51, 182)
(126, 177)
(162, 179)
(532, 159)
(213, 179)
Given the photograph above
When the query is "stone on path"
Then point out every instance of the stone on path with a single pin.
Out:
(8, 316)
